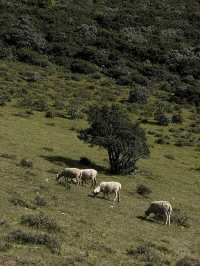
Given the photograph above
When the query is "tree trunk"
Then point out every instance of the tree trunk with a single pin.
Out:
(120, 164)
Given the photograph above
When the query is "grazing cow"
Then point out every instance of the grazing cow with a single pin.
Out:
(88, 174)
(72, 174)
(160, 208)
(108, 188)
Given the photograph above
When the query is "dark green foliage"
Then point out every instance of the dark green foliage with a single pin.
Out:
(187, 93)
(125, 141)
(21, 237)
(32, 57)
(83, 67)
(129, 41)
(138, 95)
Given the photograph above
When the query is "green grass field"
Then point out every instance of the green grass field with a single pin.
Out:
(92, 233)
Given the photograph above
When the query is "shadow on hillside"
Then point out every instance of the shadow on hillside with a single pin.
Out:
(149, 220)
(68, 162)
(98, 197)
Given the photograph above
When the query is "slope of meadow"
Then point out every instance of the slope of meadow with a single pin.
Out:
(58, 58)
(90, 232)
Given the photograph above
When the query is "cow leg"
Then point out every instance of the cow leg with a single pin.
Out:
(118, 196)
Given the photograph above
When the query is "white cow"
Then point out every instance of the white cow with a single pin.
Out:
(88, 174)
(72, 174)
(108, 188)
(160, 208)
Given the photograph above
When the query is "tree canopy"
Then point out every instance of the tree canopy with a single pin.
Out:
(125, 141)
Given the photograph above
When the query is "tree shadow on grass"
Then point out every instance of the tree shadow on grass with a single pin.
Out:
(68, 162)
(149, 220)
(98, 197)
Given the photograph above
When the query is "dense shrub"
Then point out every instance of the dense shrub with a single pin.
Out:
(138, 95)
(162, 119)
(177, 119)
(32, 57)
(23, 33)
(186, 94)
(7, 52)
(83, 67)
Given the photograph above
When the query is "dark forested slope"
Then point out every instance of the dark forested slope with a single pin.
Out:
(134, 42)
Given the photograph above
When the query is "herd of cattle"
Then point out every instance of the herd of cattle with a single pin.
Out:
(78, 176)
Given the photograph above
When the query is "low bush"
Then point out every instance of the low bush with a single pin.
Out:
(177, 119)
(143, 190)
(83, 67)
(61, 114)
(17, 200)
(180, 218)
(37, 104)
(21, 237)
(162, 119)
(162, 140)
(188, 261)
(138, 95)
(40, 221)
(40, 201)
(148, 253)
(4, 245)
(26, 163)
(50, 114)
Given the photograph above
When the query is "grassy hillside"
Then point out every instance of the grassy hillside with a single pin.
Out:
(90, 232)
(58, 58)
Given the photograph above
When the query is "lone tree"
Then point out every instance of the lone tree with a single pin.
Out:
(111, 128)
